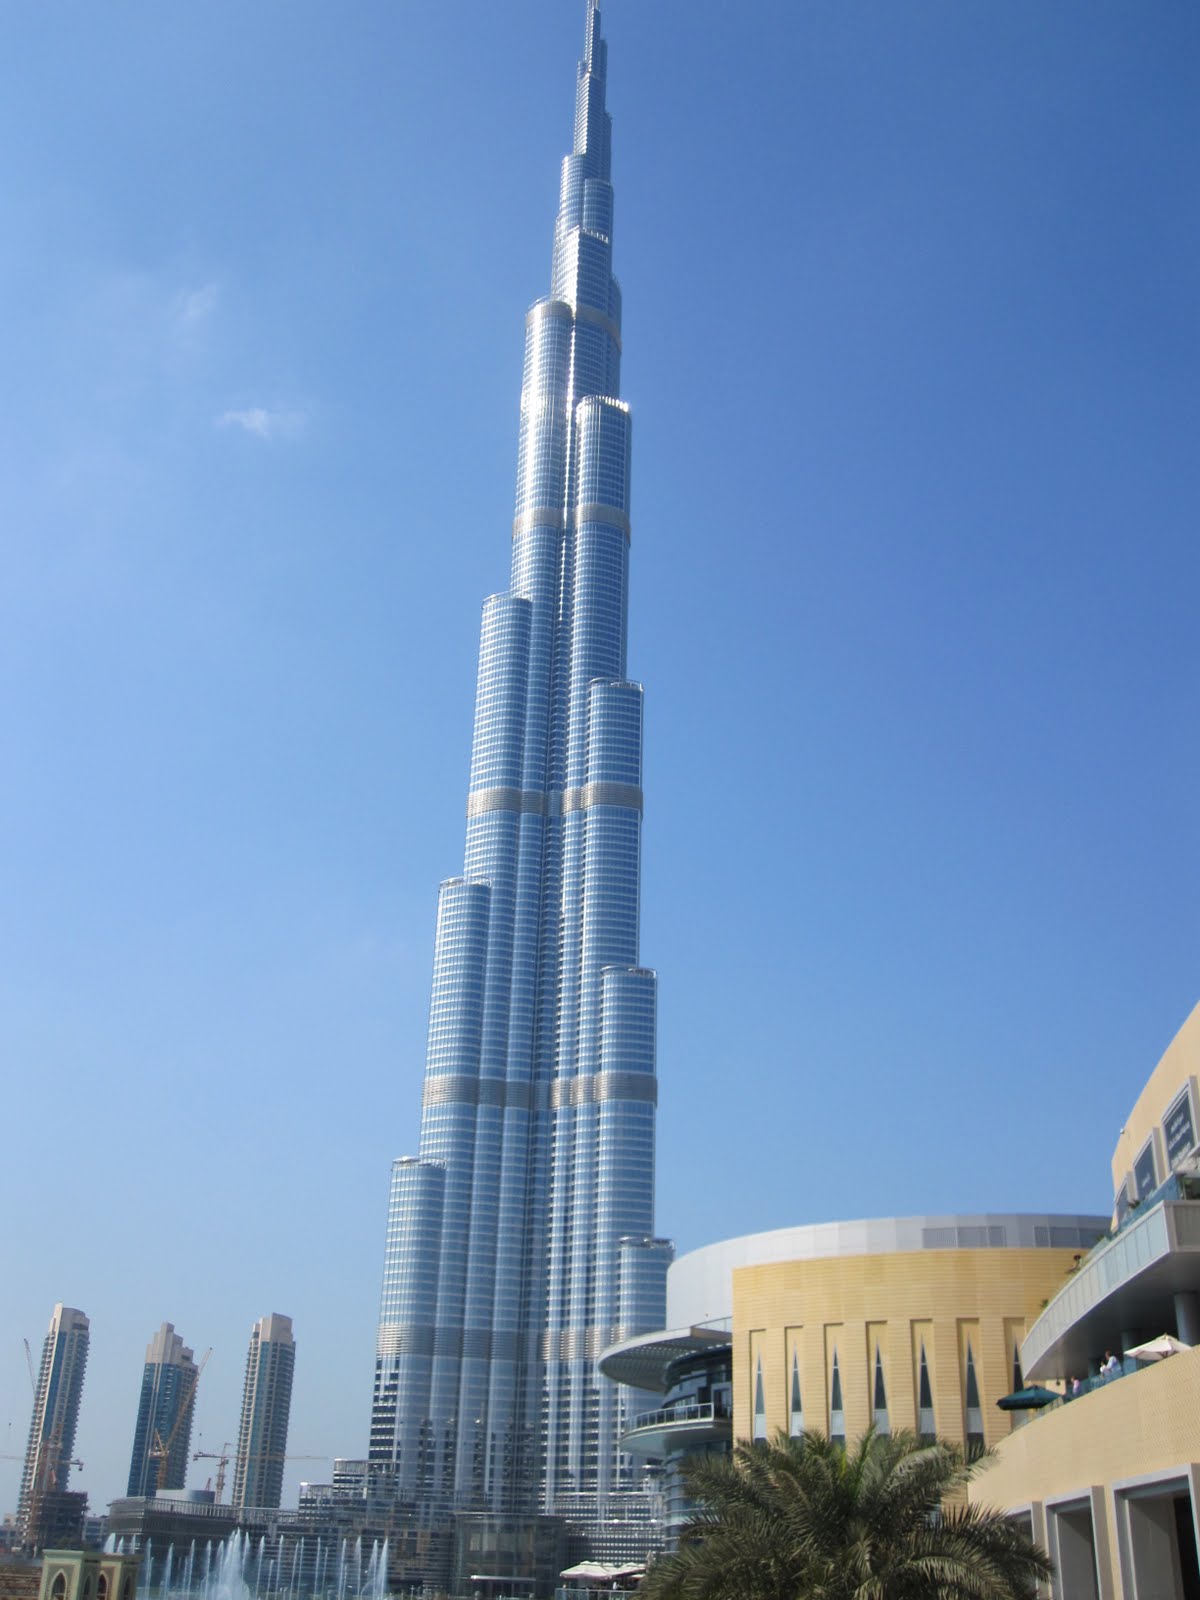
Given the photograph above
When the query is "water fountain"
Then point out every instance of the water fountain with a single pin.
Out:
(295, 1567)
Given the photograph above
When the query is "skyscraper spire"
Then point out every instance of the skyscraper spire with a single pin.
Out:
(520, 1238)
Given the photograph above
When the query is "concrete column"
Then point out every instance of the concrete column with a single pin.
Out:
(1037, 1516)
(1100, 1541)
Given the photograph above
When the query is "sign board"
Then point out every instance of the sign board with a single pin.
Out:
(1145, 1177)
(1179, 1129)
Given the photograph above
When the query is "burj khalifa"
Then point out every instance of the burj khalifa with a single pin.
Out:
(520, 1240)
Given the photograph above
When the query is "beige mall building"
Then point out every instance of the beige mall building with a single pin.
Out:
(1109, 1481)
(901, 1323)
(926, 1323)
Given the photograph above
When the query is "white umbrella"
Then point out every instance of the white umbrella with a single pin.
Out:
(1156, 1349)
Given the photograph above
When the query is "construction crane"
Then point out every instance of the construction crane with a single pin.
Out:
(225, 1455)
(222, 1457)
(161, 1452)
(29, 1364)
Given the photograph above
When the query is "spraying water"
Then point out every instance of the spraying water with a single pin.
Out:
(237, 1568)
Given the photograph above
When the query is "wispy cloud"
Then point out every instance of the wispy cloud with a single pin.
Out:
(193, 305)
(264, 423)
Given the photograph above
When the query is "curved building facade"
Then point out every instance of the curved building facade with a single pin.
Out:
(912, 1323)
(894, 1323)
(1108, 1478)
(520, 1238)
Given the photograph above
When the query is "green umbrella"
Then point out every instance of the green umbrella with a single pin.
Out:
(1031, 1399)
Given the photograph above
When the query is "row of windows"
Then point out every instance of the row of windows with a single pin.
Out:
(835, 1417)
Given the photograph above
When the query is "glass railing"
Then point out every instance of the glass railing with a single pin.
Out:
(1084, 1386)
(1178, 1186)
(590, 1594)
(699, 1411)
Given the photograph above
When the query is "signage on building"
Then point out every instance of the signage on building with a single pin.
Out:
(1145, 1178)
(1179, 1129)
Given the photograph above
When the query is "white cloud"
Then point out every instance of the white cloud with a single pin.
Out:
(264, 423)
(195, 304)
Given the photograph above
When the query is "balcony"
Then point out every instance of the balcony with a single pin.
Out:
(1128, 1282)
(676, 1428)
(690, 1411)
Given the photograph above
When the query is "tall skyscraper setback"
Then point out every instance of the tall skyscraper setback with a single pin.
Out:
(266, 1404)
(51, 1447)
(519, 1239)
(164, 1419)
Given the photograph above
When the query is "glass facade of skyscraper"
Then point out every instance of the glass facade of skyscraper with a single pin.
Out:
(520, 1239)
(166, 1405)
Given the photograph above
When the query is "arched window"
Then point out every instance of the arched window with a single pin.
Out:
(102, 1586)
(58, 1589)
(127, 1591)
(760, 1405)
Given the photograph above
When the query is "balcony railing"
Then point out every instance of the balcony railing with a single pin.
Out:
(1090, 1385)
(699, 1411)
(591, 1594)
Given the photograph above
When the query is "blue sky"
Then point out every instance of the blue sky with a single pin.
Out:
(911, 343)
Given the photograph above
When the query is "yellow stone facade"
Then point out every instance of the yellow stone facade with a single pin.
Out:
(1176, 1074)
(949, 1300)
(1103, 1451)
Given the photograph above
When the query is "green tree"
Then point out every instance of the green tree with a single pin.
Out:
(804, 1519)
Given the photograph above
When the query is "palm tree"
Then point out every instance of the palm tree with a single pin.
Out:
(805, 1519)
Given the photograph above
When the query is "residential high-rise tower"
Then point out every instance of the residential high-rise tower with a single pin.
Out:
(266, 1405)
(520, 1238)
(164, 1420)
(51, 1448)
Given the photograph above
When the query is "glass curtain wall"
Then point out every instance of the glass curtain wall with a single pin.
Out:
(520, 1239)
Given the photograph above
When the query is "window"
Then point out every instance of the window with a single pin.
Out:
(882, 1422)
(837, 1414)
(760, 1405)
(975, 1440)
(796, 1417)
(58, 1589)
(925, 1423)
